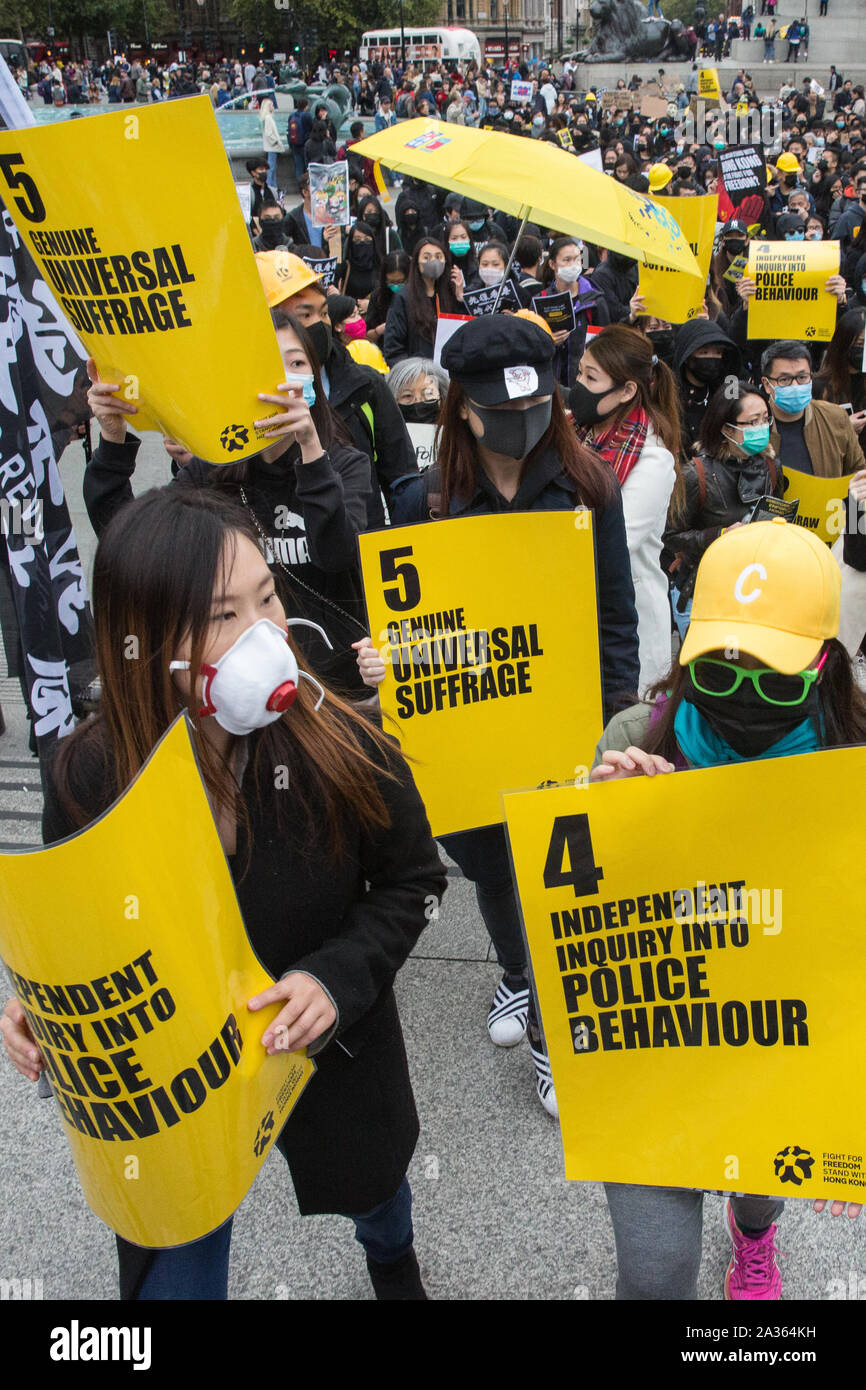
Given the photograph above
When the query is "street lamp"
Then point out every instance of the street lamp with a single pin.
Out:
(505, 8)
(402, 40)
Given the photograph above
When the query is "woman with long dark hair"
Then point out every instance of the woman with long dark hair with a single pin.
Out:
(625, 405)
(361, 260)
(434, 286)
(563, 274)
(332, 881)
(781, 686)
(306, 494)
(393, 274)
(501, 451)
(718, 486)
(841, 378)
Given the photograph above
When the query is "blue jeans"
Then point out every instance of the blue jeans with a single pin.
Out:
(272, 168)
(201, 1270)
(683, 619)
(300, 161)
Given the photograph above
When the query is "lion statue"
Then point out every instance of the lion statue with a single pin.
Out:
(623, 31)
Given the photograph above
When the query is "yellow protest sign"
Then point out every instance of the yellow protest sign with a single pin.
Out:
(699, 987)
(791, 299)
(667, 293)
(492, 663)
(126, 947)
(823, 502)
(149, 281)
(708, 85)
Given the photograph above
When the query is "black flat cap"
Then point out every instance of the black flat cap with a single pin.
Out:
(498, 358)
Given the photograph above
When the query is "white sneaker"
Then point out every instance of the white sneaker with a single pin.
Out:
(509, 1015)
(544, 1082)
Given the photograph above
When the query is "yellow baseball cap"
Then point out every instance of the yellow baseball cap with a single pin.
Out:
(770, 589)
(534, 318)
(283, 275)
(788, 163)
(659, 176)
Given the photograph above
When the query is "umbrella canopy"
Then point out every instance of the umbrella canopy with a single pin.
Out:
(534, 179)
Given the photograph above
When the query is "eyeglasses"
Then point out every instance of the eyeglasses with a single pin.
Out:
(801, 379)
(722, 678)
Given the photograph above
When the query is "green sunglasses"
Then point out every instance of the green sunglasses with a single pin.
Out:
(722, 678)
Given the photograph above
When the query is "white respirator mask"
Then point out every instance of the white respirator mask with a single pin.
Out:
(256, 680)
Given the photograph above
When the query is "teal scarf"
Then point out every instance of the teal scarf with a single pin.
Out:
(704, 748)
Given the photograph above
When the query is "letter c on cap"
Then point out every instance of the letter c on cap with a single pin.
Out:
(741, 579)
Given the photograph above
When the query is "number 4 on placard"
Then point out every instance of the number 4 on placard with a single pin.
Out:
(571, 835)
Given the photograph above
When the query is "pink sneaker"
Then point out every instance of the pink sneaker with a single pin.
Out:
(754, 1269)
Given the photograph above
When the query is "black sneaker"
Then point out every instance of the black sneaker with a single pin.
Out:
(398, 1281)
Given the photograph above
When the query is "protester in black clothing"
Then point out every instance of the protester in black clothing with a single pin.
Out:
(307, 497)
(460, 244)
(501, 452)
(841, 378)
(273, 233)
(616, 279)
(334, 882)
(320, 147)
(370, 210)
(361, 260)
(704, 356)
(393, 273)
(434, 285)
(260, 194)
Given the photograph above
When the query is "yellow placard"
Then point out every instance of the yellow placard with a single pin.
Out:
(699, 987)
(126, 947)
(823, 502)
(149, 279)
(667, 293)
(791, 299)
(708, 85)
(492, 659)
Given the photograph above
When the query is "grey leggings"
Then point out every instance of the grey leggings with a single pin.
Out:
(658, 1237)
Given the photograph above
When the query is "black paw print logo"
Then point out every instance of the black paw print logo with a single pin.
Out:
(793, 1164)
(234, 437)
(810, 331)
(264, 1134)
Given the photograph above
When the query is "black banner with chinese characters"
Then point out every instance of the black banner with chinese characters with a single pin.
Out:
(42, 400)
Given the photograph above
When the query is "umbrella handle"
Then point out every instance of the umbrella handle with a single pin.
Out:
(503, 282)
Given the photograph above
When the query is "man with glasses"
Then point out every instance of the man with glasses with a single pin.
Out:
(807, 435)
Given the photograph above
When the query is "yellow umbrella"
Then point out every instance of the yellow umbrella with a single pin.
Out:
(534, 179)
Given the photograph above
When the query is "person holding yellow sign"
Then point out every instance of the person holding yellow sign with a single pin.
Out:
(506, 445)
(761, 674)
(326, 839)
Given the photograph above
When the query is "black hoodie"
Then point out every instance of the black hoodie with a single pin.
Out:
(694, 399)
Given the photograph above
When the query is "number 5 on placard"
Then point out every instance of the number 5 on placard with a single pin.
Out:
(34, 211)
(408, 574)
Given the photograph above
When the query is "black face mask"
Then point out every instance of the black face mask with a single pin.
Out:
(708, 370)
(372, 219)
(662, 340)
(361, 254)
(513, 433)
(420, 412)
(855, 359)
(272, 231)
(747, 722)
(322, 340)
(584, 404)
(735, 247)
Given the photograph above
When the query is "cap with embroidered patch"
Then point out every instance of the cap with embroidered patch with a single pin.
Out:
(499, 357)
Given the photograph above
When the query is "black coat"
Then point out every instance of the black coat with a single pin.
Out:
(717, 494)
(351, 924)
(547, 488)
(402, 339)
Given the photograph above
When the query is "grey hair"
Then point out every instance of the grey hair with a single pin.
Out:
(789, 348)
(406, 371)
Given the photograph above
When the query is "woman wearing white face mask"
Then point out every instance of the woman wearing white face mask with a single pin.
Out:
(332, 875)
(492, 260)
(306, 493)
(563, 274)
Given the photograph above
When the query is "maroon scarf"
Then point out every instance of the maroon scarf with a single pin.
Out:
(621, 446)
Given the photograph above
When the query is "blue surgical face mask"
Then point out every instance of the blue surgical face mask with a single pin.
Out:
(476, 225)
(792, 399)
(863, 288)
(795, 236)
(306, 382)
(395, 287)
